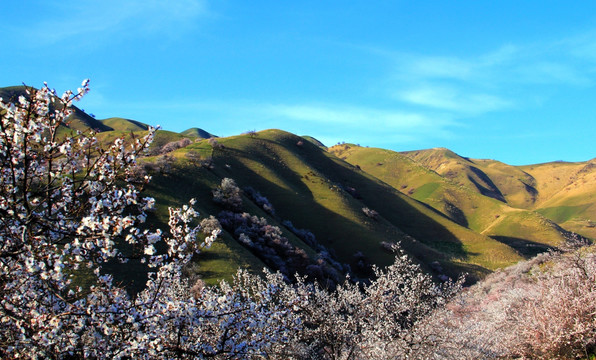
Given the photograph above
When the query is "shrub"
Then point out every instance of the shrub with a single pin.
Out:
(370, 213)
(164, 164)
(228, 194)
(544, 308)
(353, 192)
(174, 145)
(214, 143)
(304, 235)
(260, 200)
(252, 133)
(210, 224)
(197, 160)
(384, 320)
(66, 205)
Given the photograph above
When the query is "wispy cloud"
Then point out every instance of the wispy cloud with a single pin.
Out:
(441, 67)
(346, 115)
(362, 124)
(492, 81)
(453, 99)
(333, 122)
(111, 20)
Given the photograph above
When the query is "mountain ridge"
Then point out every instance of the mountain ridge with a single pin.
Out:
(451, 213)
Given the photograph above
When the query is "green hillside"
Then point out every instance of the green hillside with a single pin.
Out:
(567, 194)
(120, 124)
(561, 191)
(490, 178)
(450, 221)
(196, 132)
(314, 141)
(318, 191)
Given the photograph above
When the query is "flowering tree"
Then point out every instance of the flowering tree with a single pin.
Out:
(383, 320)
(69, 206)
(228, 194)
(66, 205)
(544, 308)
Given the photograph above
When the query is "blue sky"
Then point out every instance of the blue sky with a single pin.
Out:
(508, 80)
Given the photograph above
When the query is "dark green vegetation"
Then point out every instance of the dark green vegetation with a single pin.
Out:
(451, 214)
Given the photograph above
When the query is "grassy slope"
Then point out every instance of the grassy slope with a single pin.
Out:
(314, 141)
(307, 185)
(491, 178)
(567, 194)
(120, 124)
(196, 132)
(458, 195)
(175, 188)
(458, 202)
(183, 183)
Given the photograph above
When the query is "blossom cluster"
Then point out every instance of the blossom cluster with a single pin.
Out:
(67, 204)
(543, 308)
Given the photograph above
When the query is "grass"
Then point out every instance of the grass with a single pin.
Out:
(308, 185)
(417, 174)
(425, 191)
(126, 125)
(528, 226)
(183, 183)
(197, 133)
(561, 214)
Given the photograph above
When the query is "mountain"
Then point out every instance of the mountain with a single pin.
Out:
(341, 208)
(318, 191)
(567, 194)
(315, 141)
(448, 222)
(561, 191)
(120, 124)
(196, 132)
(531, 208)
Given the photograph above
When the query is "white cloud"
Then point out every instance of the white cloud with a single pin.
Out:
(547, 72)
(441, 67)
(346, 115)
(453, 99)
(494, 80)
(110, 20)
(328, 122)
(362, 124)
(503, 55)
